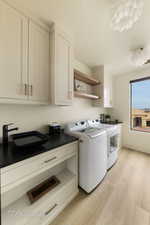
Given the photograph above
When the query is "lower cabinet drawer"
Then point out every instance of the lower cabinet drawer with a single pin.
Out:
(53, 206)
(36, 165)
(19, 173)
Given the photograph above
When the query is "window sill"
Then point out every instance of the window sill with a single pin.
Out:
(140, 130)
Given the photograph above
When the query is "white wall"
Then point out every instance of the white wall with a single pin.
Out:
(28, 117)
(135, 140)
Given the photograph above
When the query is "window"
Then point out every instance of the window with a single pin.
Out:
(140, 104)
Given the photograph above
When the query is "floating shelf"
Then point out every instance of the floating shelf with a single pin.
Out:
(84, 78)
(85, 95)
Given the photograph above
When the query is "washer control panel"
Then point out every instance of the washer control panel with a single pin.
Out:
(78, 126)
(94, 123)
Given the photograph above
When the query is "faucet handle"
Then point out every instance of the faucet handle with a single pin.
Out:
(9, 124)
(5, 126)
(5, 132)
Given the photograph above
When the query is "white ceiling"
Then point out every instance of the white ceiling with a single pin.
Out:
(89, 22)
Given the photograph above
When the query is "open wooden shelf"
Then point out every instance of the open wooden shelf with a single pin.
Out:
(85, 95)
(84, 78)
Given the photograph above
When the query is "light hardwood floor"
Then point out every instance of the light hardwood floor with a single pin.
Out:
(123, 198)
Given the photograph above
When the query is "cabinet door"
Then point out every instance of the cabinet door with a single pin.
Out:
(63, 71)
(108, 102)
(13, 53)
(39, 62)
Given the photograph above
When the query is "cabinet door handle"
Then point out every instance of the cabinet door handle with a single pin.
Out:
(49, 160)
(25, 89)
(31, 88)
(50, 210)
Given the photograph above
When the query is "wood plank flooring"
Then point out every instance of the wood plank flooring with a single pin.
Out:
(123, 198)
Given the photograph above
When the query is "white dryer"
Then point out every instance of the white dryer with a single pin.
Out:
(92, 154)
(113, 135)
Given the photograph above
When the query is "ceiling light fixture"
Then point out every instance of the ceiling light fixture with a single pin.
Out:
(140, 56)
(125, 14)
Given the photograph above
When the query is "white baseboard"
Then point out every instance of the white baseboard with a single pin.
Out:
(135, 149)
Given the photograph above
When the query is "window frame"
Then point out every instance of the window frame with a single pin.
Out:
(131, 82)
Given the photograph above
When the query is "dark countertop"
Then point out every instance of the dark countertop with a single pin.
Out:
(10, 155)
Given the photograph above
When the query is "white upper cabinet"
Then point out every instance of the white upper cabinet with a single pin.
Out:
(24, 58)
(39, 63)
(61, 68)
(13, 53)
(104, 90)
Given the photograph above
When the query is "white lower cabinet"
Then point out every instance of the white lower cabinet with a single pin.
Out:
(55, 205)
(12, 176)
(17, 209)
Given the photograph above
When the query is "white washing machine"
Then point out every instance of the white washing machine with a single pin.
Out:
(92, 154)
(113, 134)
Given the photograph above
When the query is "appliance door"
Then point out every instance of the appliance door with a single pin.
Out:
(113, 144)
(92, 161)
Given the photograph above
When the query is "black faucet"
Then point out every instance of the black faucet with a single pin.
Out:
(6, 131)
